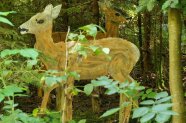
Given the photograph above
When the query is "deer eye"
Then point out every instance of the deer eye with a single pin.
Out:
(40, 21)
(117, 14)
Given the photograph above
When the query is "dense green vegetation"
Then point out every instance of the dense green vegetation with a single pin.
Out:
(158, 93)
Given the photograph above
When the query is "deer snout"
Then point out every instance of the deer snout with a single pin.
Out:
(23, 30)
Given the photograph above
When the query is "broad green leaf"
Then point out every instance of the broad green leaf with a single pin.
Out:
(112, 90)
(8, 52)
(138, 112)
(139, 88)
(148, 91)
(88, 89)
(90, 29)
(35, 112)
(102, 81)
(11, 89)
(7, 13)
(165, 99)
(29, 53)
(161, 95)
(151, 95)
(110, 112)
(147, 102)
(161, 118)
(82, 121)
(82, 38)
(166, 5)
(72, 36)
(75, 75)
(50, 81)
(4, 20)
(31, 63)
(147, 117)
(161, 107)
(106, 50)
(94, 48)
(168, 112)
(174, 4)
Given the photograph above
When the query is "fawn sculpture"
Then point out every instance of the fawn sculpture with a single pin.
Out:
(124, 55)
(113, 19)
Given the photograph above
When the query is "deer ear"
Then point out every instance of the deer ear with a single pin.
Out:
(48, 9)
(56, 10)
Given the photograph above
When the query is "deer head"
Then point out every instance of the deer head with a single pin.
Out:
(110, 13)
(41, 22)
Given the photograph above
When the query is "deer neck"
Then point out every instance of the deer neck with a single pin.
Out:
(52, 53)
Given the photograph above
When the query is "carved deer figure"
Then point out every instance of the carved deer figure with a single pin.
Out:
(123, 53)
(113, 19)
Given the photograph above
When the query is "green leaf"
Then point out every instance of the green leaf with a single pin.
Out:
(110, 112)
(82, 121)
(50, 81)
(82, 38)
(148, 91)
(161, 95)
(160, 118)
(88, 89)
(147, 117)
(112, 90)
(147, 102)
(31, 63)
(166, 5)
(161, 107)
(102, 81)
(11, 89)
(165, 99)
(151, 95)
(138, 112)
(72, 36)
(7, 13)
(90, 29)
(8, 52)
(4, 20)
(168, 112)
(75, 75)
(94, 48)
(35, 112)
(29, 53)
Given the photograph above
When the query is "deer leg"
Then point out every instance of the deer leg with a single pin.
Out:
(118, 70)
(60, 97)
(95, 100)
(47, 91)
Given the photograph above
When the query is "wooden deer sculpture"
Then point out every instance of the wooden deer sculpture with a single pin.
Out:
(113, 19)
(123, 53)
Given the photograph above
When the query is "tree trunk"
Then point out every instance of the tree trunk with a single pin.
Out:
(140, 40)
(175, 78)
(95, 11)
(146, 47)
